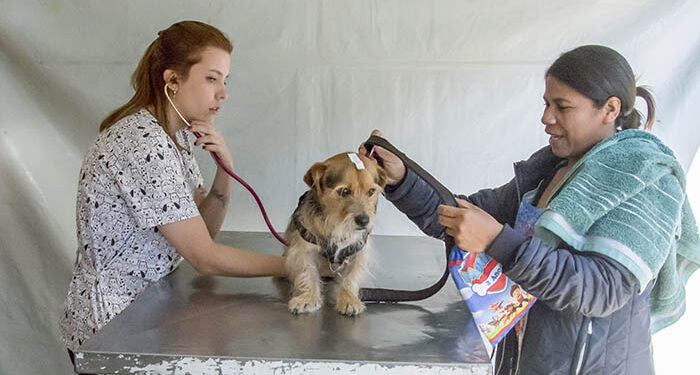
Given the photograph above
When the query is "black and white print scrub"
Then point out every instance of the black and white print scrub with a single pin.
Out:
(133, 179)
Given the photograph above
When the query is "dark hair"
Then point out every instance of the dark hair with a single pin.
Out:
(178, 47)
(600, 73)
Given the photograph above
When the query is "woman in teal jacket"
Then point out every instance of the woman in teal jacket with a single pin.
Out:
(614, 239)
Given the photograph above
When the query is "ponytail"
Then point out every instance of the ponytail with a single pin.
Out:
(633, 119)
(645, 94)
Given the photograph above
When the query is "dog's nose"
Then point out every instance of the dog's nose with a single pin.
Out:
(362, 220)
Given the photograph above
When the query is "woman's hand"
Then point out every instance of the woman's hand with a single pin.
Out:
(212, 141)
(393, 166)
(472, 228)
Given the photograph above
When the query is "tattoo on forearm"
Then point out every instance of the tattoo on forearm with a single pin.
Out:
(223, 198)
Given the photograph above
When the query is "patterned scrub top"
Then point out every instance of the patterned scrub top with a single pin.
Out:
(132, 180)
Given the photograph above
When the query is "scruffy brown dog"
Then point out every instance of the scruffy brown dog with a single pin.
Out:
(329, 231)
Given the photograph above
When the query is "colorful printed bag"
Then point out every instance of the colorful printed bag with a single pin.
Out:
(495, 301)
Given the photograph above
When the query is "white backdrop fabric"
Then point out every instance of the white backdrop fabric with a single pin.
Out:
(457, 85)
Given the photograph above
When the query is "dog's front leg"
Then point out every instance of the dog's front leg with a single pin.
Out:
(347, 299)
(303, 272)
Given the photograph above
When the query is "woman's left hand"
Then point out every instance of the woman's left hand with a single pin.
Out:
(212, 141)
(471, 227)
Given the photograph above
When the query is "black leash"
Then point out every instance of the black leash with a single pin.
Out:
(392, 295)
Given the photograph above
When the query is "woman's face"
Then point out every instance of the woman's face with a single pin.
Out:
(572, 121)
(199, 96)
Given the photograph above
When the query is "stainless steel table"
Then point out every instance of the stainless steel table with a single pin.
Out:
(190, 324)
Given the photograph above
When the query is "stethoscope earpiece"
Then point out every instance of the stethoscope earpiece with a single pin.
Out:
(165, 89)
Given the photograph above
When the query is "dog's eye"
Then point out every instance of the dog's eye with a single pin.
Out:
(344, 192)
(371, 192)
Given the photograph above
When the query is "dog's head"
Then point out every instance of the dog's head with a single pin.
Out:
(347, 187)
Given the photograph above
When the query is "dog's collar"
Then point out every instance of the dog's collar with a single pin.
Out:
(351, 249)
(330, 249)
(305, 234)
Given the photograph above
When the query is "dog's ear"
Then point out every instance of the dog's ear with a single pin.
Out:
(314, 174)
(381, 177)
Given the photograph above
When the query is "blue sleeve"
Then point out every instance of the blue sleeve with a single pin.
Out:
(566, 280)
(419, 201)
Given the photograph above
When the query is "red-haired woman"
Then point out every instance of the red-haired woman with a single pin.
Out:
(142, 206)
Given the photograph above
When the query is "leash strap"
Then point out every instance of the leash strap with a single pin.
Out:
(393, 295)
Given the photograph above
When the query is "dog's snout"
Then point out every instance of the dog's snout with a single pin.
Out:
(362, 220)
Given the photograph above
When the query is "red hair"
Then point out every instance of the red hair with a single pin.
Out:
(178, 48)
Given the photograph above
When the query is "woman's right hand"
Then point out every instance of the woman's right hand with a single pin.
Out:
(393, 166)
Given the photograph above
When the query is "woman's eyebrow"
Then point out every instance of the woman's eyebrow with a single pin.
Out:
(561, 101)
(557, 100)
(217, 72)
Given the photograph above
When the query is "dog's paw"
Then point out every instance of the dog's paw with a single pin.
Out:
(349, 305)
(304, 304)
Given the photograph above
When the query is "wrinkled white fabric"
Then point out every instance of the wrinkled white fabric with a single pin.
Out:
(453, 83)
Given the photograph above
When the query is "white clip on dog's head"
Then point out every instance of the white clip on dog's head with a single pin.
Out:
(356, 160)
